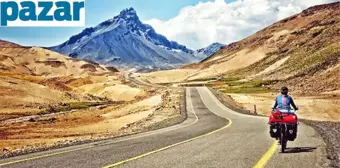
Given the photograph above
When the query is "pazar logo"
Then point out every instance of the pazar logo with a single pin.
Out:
(42, 13)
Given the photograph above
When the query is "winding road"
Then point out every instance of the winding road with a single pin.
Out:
(211, 136)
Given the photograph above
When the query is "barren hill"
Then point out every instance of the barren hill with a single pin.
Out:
(41, 62)
(301, 51)
(33, 76)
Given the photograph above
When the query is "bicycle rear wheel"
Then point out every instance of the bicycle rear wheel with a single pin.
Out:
(283, 145)
(283, 139)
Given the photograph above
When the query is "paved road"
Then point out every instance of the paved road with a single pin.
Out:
(212, 136)
(129, 76)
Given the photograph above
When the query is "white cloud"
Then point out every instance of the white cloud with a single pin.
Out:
(200, 25)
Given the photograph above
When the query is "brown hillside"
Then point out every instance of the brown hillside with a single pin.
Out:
(33, 76)
(301, 51)
(41, 62)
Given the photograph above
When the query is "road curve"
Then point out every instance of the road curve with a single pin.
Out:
(129, 76)
(212, 136)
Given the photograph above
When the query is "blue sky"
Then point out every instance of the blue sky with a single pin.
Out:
(96, 12)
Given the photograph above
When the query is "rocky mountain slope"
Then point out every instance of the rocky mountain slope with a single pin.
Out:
(126, 42)
(301, 51)
(208, 51)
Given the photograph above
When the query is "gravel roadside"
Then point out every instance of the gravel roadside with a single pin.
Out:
(178, 109)
(330, 132)
(229, 102)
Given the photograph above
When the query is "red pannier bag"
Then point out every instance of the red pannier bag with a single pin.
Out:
(275, 117)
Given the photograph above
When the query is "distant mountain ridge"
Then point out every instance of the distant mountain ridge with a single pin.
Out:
(125, 41)
(208, 51)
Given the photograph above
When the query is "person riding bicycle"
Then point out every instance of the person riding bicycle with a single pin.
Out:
(284, 101)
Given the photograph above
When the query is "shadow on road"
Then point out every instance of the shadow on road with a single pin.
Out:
(300, 149)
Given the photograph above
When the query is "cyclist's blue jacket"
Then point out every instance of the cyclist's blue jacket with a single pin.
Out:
(284, 102)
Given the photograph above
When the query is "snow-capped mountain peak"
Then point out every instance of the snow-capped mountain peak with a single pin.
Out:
(125, 41)
(208, 51)
(128, 13)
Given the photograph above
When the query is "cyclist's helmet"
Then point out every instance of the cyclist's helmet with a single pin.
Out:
(284, 90)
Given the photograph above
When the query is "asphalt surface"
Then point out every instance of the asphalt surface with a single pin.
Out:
(212, 136)
(129, 76)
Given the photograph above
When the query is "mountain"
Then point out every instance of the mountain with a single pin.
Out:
(301, 51)
(126, 42)
(208, 51)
